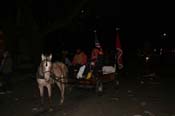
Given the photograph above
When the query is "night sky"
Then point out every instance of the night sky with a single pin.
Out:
(95, 15)
(138, 21)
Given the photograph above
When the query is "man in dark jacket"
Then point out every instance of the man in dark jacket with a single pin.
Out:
(6, 71)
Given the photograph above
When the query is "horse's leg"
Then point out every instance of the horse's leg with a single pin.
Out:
(49, 95)
(62, 88)
(41, 90)
(62, 94)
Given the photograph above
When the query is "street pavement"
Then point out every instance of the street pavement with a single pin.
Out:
(154, 97)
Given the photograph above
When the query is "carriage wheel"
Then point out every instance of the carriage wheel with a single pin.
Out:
(116, 81)
(99, 87)
(116, 84)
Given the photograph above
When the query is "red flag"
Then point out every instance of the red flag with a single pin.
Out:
(119, 52)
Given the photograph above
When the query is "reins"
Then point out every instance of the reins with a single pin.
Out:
(52, 76)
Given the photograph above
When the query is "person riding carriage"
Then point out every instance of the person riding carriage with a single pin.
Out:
(79, 61)
(80, 58)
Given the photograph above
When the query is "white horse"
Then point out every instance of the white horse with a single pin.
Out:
(49, 73)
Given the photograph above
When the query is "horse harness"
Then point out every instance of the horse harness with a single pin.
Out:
(52, 76)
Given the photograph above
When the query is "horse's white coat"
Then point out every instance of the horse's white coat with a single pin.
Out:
(46, 68)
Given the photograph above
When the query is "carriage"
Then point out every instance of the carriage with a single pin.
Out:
(86, 76)
(57, 72)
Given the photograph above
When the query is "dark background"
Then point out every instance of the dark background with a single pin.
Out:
(58, 18)
(32, 27)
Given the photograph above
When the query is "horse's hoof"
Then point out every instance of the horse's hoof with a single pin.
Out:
(35, 109)
(39, 109)
(50, 109)
(61, 102)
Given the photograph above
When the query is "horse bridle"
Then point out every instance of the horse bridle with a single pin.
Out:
(52, 74)
(44, 72)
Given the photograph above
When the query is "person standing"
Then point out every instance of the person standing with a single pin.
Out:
(97, 59)
(79, 63)
(6, 70)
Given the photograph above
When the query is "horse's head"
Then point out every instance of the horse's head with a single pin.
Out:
(46, 65)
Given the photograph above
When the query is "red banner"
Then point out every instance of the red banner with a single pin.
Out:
(119, 52)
